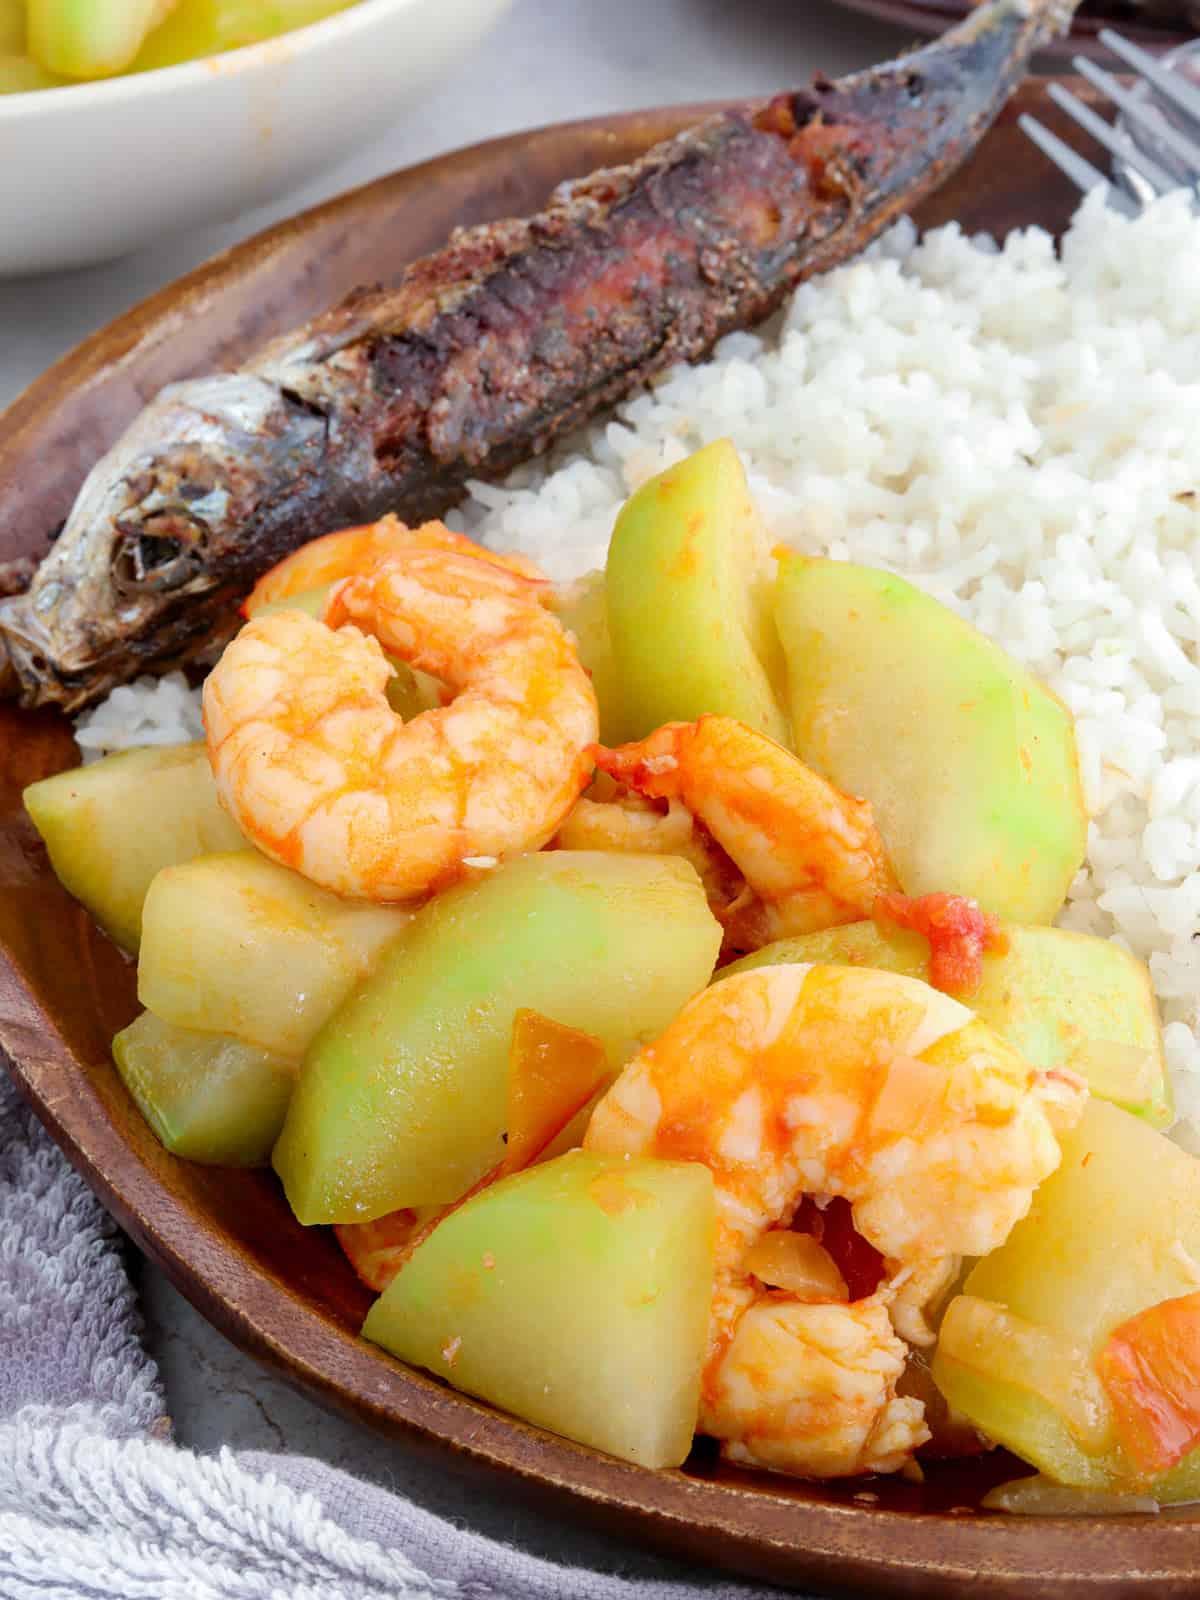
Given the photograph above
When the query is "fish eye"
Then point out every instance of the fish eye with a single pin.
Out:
(151, 560)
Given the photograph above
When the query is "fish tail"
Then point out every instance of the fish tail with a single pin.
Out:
(983, 57)
(997, 38)
(887, 137)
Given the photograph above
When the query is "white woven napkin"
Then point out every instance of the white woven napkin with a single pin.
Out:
(96, 1503)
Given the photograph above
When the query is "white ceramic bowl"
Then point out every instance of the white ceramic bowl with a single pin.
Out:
(92, 171)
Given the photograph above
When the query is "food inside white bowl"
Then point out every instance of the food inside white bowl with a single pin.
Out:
(53, 43)
(109, 165)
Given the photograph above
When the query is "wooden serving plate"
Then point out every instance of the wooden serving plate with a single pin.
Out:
(933, 16)
(227, 1239)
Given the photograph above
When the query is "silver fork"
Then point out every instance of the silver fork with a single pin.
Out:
(1164, 109)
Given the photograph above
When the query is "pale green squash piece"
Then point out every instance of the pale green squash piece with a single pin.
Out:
(689, 585)
(403, 1096)
(208, 1097)
(1115, 1230)
(111, 827)
(969, 762)
(237, 944)
(576, 1295)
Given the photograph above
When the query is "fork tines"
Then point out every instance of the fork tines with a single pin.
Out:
(1143, 111)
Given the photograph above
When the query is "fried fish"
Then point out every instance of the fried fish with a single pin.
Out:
(488, 351)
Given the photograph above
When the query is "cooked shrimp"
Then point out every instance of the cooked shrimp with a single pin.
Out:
(791, 1081)
(811, 855)
(810, 1389)
(352, 551)
(317, 769)
(377, 1250)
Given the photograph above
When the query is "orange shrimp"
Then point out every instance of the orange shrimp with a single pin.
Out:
(792, 1081)
(320, 773)
(352, 551)
(810, 855)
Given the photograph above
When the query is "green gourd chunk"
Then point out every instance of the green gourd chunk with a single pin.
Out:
(239, 945)
(111, 827)
(576, 1295)
(689, 592)
(91, 38)
(969, 762)
(402, 1098)
(1114, 1231)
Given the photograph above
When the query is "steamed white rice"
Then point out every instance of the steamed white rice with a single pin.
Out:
(1018, 432)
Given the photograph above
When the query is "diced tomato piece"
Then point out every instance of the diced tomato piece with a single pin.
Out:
(1150, 1369)
(859, 1263)
(553, 1071)
(959, 934)
(377, 1250)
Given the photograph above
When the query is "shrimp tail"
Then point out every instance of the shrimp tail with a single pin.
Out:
(651, 766)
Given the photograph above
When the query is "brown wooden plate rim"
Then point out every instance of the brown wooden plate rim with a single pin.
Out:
(778, 1535)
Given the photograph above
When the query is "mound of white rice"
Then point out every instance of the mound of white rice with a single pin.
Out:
(1019, 432)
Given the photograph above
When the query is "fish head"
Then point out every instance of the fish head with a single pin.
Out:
(153, 557)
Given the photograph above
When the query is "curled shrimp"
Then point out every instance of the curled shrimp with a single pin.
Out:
(353, 551)
(810, 856)
(317, 769)
(793, 1081)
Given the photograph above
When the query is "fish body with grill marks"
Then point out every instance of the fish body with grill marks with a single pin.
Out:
(487, 351)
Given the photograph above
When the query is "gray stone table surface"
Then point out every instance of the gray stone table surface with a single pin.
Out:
(547, 61)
